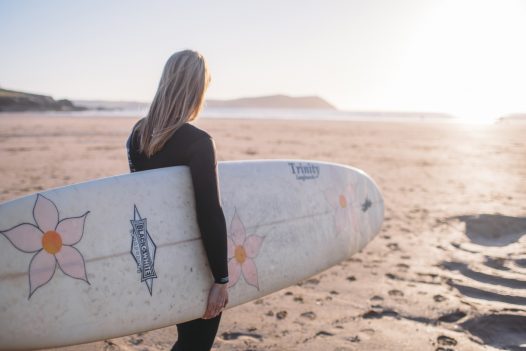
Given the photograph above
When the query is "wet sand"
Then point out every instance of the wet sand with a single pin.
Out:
(447, 271)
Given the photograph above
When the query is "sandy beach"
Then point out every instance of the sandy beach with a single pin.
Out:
(447, 271)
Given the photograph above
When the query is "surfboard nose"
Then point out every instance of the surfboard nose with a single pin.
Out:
(375, 217)
(370, 209)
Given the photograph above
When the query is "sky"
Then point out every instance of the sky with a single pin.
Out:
(463, 57)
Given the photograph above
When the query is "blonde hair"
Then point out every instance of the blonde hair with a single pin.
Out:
(179, 99)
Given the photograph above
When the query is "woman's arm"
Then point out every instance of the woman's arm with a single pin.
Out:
(210, 217)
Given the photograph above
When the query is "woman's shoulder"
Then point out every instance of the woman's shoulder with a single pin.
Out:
(193, 137)
(195, 132)
(188, 138)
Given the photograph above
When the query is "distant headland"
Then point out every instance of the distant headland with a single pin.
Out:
(274, 101)
(17, 101)
(271, 102)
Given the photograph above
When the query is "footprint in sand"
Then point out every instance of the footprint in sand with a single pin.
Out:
(402, 267)
(281, 315)
(309, 315)
(396, 293)
(355, 338)
(312, 281)
(444, 340)
(298, 299)
(324, 333)
(110, 346)
(237, 335)
(371, 314)
(135, 341)
(393, 246)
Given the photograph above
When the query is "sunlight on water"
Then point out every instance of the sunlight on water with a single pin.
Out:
(477, 117)
(302, 114)
(480, 121)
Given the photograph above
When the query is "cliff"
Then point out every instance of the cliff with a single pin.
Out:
(16, 101)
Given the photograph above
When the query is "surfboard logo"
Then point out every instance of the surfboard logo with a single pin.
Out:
(304, 171)
(366, 204)
(143, 249)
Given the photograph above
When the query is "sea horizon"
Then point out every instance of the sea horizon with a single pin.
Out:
(277, 114)
(267, 113)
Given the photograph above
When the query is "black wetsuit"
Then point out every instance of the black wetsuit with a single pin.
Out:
(191, 146)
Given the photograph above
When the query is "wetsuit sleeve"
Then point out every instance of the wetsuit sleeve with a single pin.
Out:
(210, 217)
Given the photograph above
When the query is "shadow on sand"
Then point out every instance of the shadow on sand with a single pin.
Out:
(506, 331)
(493, 230)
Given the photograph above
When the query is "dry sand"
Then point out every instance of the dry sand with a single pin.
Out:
(447, 271)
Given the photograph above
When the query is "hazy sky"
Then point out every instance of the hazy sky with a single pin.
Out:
(466, 57)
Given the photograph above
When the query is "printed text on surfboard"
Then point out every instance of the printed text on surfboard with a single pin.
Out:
(143, 250)
(304, 171)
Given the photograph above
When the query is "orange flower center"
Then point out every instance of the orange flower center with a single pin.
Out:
(240, 254)
(343, 201)
(52, 242)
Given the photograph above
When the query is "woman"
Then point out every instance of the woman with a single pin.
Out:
(164, 138)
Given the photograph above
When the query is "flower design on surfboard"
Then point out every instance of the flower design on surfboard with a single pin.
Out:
(341, 200)
(51, 240)
(242, 250)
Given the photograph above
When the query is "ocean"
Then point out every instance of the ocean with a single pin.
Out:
(278, 114)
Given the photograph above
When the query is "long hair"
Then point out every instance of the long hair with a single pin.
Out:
(179, 99)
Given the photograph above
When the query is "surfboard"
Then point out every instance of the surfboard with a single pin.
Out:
(120, 255)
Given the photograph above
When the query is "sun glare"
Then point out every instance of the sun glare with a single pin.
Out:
(482, 113)
(476, 117)
(468, 54)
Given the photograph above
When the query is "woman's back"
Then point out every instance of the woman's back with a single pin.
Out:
(178, 150)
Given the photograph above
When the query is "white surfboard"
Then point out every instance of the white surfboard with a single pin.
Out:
(121, 255)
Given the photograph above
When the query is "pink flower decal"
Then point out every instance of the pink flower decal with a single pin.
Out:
(242, 250)
(342, 202)
(52, 242)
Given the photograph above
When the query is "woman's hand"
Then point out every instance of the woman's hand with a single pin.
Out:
(217, 300)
